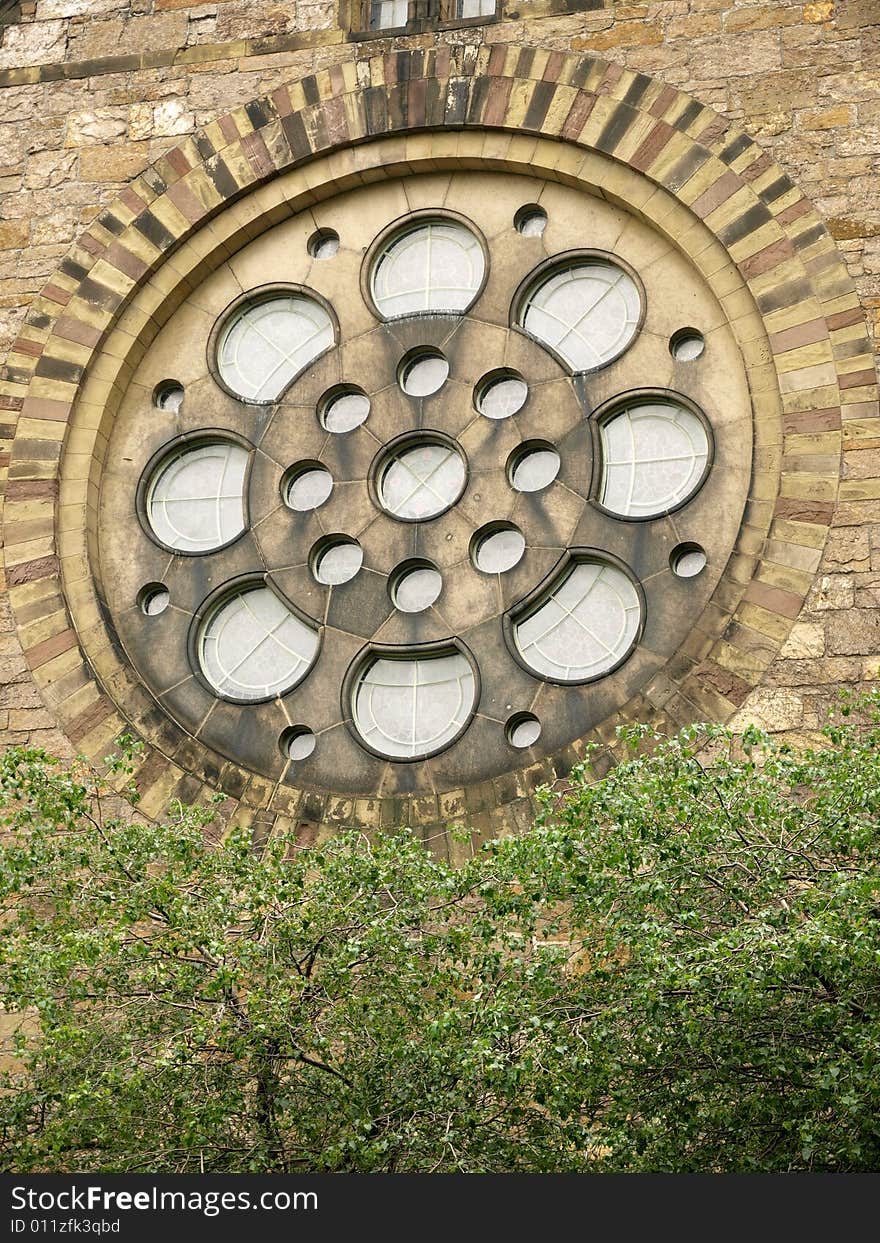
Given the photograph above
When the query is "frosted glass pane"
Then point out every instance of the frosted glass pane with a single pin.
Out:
(501, 398)
(535, 470)
(411, 707)
(422, 481)
(252, 647)
(345, 411)
(269, 342)
(500, 551)
(584, 627)
(688, 562)
(686, 346)
(531, 221)
(339, 563)
(432, 267)
(425, 375)
(309, 489)
(476, 8)
(195, 499)
(155, 602)
(299, 744)
(388, 14)
(524, 732)
(587, 313)
(654, 457)
(417, 589)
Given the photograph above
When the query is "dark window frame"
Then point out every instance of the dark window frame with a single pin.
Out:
(423, 15)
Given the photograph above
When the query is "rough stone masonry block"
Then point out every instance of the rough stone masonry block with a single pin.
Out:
(854, 632)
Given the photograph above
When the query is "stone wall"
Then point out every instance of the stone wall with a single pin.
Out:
(94, 90)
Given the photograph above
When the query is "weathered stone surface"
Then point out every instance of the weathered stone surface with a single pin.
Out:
(807, 639)
(47, 9)
(13, 234)
(830, 592)
(161, 120)
(771, 709)
(38, 44)
(116, 163)
(89, 127)
(848, 549)
(854, 632)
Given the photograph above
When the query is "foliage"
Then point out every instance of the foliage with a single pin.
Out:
(677, 968)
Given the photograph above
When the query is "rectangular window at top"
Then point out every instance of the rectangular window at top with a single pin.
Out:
(476, 8)
(388, 14)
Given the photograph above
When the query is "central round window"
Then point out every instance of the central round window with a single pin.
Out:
(421, 477)
(438, 506)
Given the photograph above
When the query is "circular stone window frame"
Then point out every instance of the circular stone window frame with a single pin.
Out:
(392, 450)
(398, 228)
(254, 297)
(557, 575)
(766, 256)
(215, 601)
(561, 263)
(172, 449)
(416, 651)
(605, 412)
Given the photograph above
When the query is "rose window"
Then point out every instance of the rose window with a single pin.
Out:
(446, 472)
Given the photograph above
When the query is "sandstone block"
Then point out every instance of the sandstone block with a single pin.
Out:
(855, 632)
(770, 709)
(78, 8)
(832, 591)
(848, 549)
(119, 163)
(807, 639)
(39, 43)
(165, 119)
(13, 234)
(87, 128)
(624, 34)
(856, 14)
(115, 37)
(48, 169)
(761, 17)
(831, 118)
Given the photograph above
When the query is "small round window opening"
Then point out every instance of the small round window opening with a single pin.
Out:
(323, 244)
(415, 586)
(168, 396)
(423, 372)
(306, 486)
(530, 221)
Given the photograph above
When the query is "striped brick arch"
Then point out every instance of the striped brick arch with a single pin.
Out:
(692, 175)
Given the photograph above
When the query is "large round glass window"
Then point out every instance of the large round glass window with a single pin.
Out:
(654, 457)
(268, 341)
(588, 312)
(584, 625)
(409, 708)
(251, 646)
(195, 496)
(436, 266)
